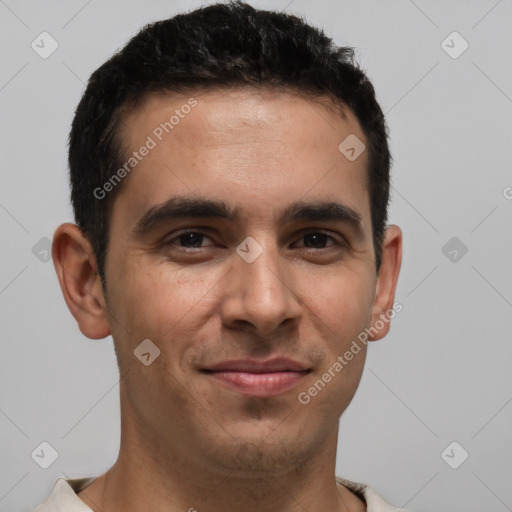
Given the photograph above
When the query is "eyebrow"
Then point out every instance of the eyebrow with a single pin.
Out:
(182, 207)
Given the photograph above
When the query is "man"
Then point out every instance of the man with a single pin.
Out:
(230, 182)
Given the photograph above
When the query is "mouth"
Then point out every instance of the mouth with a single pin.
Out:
(258, 378)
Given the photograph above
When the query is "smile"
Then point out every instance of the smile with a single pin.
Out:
(259, 378)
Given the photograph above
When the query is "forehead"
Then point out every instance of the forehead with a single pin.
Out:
(274, 113)
(255, 148)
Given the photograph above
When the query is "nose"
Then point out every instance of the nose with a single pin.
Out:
(261, 295)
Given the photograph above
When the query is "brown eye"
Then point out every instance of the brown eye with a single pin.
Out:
(191, 239)
(188, 240)
(319, 240)
(316, 240)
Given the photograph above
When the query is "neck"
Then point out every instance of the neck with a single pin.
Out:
(150, 475)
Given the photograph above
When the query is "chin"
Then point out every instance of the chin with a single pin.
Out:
(251, 456)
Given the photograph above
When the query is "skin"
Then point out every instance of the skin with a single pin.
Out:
(187, 440)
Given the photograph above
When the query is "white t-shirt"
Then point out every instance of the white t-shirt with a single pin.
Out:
(64, 499)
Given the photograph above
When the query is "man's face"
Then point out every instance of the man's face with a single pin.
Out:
(207, 306)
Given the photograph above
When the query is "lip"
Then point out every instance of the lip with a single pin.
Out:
(258, 378)
(276, 364)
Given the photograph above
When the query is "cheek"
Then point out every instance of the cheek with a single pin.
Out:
(341, 311)
(341, 300)
(168, 307)
(158, 302)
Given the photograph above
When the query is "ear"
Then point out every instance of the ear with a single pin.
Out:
(386, 283)
(80, 283)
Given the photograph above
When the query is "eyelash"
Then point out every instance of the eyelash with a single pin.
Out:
(171, 241)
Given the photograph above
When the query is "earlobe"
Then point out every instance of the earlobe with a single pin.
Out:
(383, 309)
(79, 281)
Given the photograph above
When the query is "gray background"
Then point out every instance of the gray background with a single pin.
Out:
(441, 375)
